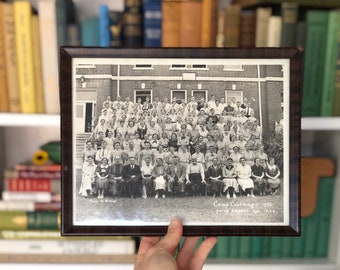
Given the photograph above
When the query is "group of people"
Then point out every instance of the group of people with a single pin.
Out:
(160, 148)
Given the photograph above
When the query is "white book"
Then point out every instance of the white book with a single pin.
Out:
(274, 31)
(262, 18)
(49, 54)
(18, 205)
(68, 247)
(35, 196)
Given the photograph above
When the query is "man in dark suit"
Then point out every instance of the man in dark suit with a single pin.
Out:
(132, 178)
(176, 173)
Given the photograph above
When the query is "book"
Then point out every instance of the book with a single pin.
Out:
(330, 62)
(116, 18)
(170, 23)
(309, 3)
(244, 247)
(220, 38)
(132, 27)
(222, 247)
(234, 246)
(152, 21)
(29, 206)
(262, 24)
(39, 87)
(49, 54)
(274, 31)
(289, 14)
(25, 60)
(325, 206)
(247, 28)
(104, 26)
(89, 33)
(232, 26)
(65, 246)
(25, 220)
(4, 102)
(35, 196)
(275, 247)
(317, 43)
(256, 247)
(11, 57)
(336, 104)
(28, 166)
(32, 184)
(209, 23)
(32, 173)
(190, 23)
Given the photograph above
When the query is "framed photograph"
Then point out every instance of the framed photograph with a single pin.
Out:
(211, 136)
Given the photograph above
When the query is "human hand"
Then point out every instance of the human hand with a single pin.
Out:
(155, 253)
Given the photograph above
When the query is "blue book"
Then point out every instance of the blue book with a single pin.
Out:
(89, 32)
(104, 26)
(152, 19)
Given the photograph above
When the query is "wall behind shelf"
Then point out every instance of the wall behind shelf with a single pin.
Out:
(20, 143)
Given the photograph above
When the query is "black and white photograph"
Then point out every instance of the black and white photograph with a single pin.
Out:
(205, 139)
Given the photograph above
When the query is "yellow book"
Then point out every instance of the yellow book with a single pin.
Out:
(25, 60)
(39, 87)
(209, 23)
(11, 58)
(3, 78)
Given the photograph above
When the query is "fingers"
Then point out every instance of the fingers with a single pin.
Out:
(147, 243)
(186, 252)
(173, 236)
(202, 253)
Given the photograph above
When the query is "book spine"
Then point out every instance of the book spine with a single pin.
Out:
(65, 246)
(262, 22)
(45, 167)
(89, 32)
(256, 247)
(36, 196)
(222, 247)
(152, 18)
(329, 71)
(32, 174)
(232, 26)
(104, 26)
(325, 205)
(275, 247)
(24, 48)
(3, 77)
(39, 87)
(11, 58)
(31, 184)
(170, 23)
(245, 247)
(190, 23)
(289, 13)
(274, 31)
(247, 29)
(116, 18)
(133, 24)
(49, 54)
(209, 23)
(29, 206)
(24, 220)
(336, 107)
(314, 62)
(220, 38)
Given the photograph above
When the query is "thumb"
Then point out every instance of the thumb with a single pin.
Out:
(173, 237)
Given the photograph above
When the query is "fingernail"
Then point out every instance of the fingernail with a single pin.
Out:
(173, 223)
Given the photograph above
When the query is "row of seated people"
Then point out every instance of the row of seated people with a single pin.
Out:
(162, 180)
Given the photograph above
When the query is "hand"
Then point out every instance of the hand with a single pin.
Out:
(155, 253)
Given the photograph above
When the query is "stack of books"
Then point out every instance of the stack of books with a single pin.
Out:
(30, 220)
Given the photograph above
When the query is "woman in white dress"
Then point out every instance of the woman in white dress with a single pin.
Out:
(243, 172)
(88, 176)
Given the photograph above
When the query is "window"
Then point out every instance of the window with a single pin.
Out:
(233, 68)
(199, 94)
(143, 94)
(143, 66)
(180, 95)
(234, 96)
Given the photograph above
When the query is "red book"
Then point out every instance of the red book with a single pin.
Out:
(32, 184)
(32, 167)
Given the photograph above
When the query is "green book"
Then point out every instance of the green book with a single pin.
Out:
(315, 51)
(325, 203)
(266, 247)
(336, 99)
(289, 15)
(298, 242)
(275, 247)
(286, 249)
(256, 247)
(222, 247)
(330, 63)
(234, 245)
(22, 220)
(245, 247)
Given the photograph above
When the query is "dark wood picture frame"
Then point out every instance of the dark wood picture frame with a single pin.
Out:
(273, 75)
